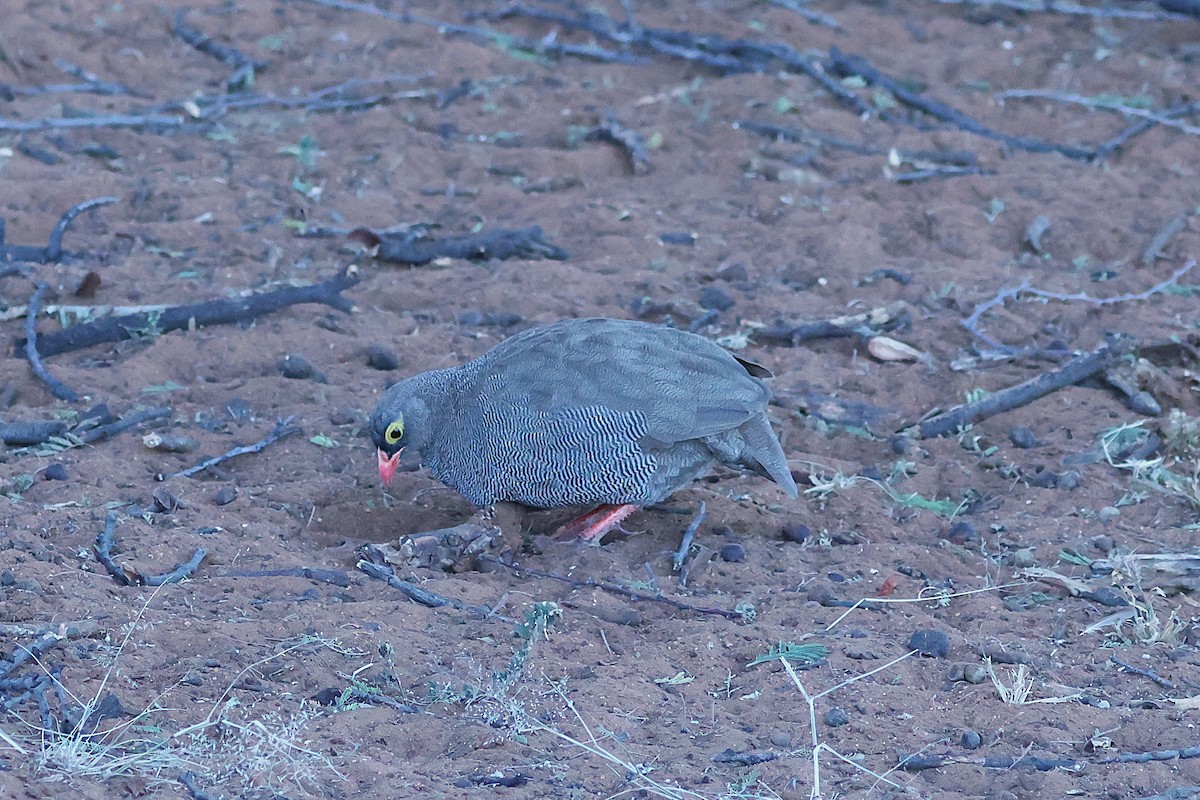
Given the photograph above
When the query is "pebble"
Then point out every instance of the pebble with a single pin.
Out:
(170, 442)
(733, 273)
(55, 472)
(1023, 558)
(297, 367)
(715, 299)
(971, 740)
(780, 739)
(962, 533)
(797, 533)
(678, 237)
(1022, 437)
(930, 643)
(733, 553)
(225, 495)
(490, 319)
(836, 718)
(1108, 514)
(1041, 478)
(7, 578)
(974, 673)
(381, 358)
(900, 444)
(1104, 543)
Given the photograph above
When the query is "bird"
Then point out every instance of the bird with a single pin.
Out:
(611, 413)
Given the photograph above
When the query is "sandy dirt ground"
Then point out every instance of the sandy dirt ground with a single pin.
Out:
(764, 200)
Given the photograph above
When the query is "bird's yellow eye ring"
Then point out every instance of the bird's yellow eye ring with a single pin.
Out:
(393, 432)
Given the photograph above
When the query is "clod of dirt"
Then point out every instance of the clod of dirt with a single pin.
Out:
(733, 553)
(55, 472)
(1022, 437)
(297, 367)
(930, 643)
(836, 718)
(797, 533)
(971, 740)
(962, 533)
(382, 358)
(224, 496)
(714, 298)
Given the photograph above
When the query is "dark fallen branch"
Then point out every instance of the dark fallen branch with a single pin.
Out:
(415, 593)
(931, 173)
(109, 429)
(22, 653)
(53, 250)
(283, 428)
(148, 121)
(787, 133)
(198, 315)
(243, 65)
(612, 588)
(1145, 672)
(847, 64)
(56, 387)
(1069, 374)
(870, 323)
(26, 434)
(335, 576)
(1154, 250)
(547, 46)
(124, 575)
(502, 243)
(188, 779)
(1104, 149)
(1154, 755)
(1172, 9)
(632, 143)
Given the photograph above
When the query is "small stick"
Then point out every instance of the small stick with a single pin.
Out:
(1074, 371)
(120, 426)
(1145, 673)
(1094, 103)
(1154, 755)
(501, 243)
(116, 121)
(188, 779)
(591, 583)
(57, 388)
(283, 429)
(334, 576)
(685, 545)
(1154, 250)
(633, 143)
(415, 593)
(202, 42)
(53, 249)
(1032, 6)
(198, 315)
(106, 540)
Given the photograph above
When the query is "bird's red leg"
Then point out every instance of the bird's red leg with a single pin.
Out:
(595, 523)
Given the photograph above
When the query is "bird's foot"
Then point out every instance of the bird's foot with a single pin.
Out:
(593, 525)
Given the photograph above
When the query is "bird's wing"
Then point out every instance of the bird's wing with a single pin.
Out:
(685, 386)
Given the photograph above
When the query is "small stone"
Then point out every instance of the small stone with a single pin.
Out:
(971, 740)
(734, 272)
(780, 739)
(733, 553)
(239, 410)
(225, 495)
(381, 358)
(836, 718)
(975, 673)
(1022, 437)
(715, 299)
(680, 237)
(55, 472)
(7, 578)
(1024, 558)
(962, 533)
(298, 368)
(344, 416)
(872, 472)
(797, 533)
(1069, 480)
(1041, 478)
(723, 530)
(211, 663)
(1104, 543)
(490, 319)
(192, 679)
(900, 444)
(930, 643)
(1108, 514)
(170, 442)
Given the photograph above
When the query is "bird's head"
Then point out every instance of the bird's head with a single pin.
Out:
(401, 421)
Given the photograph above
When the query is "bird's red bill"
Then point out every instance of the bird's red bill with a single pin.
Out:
(387, 466)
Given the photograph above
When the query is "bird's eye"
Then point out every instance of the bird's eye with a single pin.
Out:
(394, 432)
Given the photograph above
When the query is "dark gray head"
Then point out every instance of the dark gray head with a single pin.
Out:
(403, 421)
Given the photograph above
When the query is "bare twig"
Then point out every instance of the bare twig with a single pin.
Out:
(685, 544)
(1154, 250)
(1145, 673)
(591, 583)
(106, 540)
(113, 428)
(971, 323)
(1037, 6)
(244, 67)
(114, 121)
(283, 428)
(56, 387)
(385, 573)
(53, 250)
(500, 243)
(630, 141)
(1072, 372)
(1103, 104)
(801, 8)
(212, 312)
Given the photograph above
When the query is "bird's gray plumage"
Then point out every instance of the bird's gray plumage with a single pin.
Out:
(585, 411)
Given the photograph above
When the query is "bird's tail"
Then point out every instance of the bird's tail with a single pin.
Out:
(763, 451)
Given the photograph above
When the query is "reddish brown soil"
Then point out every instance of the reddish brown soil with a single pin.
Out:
(208, 210)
